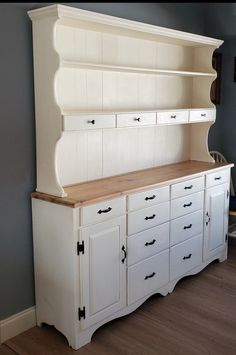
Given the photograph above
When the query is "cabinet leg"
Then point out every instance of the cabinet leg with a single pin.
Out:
(83, 338)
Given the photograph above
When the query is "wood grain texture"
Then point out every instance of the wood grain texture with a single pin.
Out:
(102, 189)
(5, 350)
(188, 321)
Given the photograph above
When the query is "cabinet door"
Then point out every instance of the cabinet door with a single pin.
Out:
(216, 220)
(103, 270)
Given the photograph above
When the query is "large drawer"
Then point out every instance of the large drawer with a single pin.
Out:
(103, 210)
(187, 204)
(202, 115)
(148, 218)
(186, 227)
(172, 117)
(219, 177)
(185, 257)
(148, 198)
(147, 243)
(74, 123)
(148, 276)
(136, 119)
(187, 187)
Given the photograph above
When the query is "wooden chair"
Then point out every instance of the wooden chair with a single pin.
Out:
(219, 158)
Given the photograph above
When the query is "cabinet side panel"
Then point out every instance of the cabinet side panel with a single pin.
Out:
(56, 268)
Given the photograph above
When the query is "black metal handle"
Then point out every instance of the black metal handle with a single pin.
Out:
(137, 119)
(188, 227)
(125, 254)
(188, 204)
(150, 243)
(187, 257)
(188, 187)
(209, 219)
(203, 114)
(92, 121)
(105, 211)
(150, 198)
(173, 116)
(218, 178)
(149, 276)
(151, 217)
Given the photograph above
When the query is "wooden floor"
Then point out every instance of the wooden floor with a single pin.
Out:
(199, 317)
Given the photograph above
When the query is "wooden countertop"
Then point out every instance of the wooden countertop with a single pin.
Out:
(106, 188)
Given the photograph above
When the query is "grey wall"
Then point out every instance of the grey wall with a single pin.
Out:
(221, 23)
(17, 136)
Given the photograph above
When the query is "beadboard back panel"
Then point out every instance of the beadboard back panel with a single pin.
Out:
(89, 155)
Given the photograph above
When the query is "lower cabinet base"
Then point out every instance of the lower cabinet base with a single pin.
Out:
(79, 338)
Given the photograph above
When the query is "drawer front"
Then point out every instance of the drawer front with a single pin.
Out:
(147, 276)
(148, 218)
(148, 198)
(202, 115)
(102, 211)
(219, 177)
(187, 204)
(74, 123)
(172, 117)
(136, 119)
(185, 256)
(186, 227)
(147, 243)
(187, 187)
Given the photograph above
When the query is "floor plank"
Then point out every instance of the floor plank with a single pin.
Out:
(198, 318)
(5, 350)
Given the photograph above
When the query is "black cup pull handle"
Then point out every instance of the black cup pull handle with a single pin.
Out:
(105, 211)
(125, 254)
(188, 187)
(188, 204)
(150, 198)
(173, 116)
(187, 257)
(151, 217)
(188, 227)
(149, 276)
(137, 119)
(218, 178)
(150, 243)
(92, 121)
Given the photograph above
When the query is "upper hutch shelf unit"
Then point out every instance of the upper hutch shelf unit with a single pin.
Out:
(114, 95)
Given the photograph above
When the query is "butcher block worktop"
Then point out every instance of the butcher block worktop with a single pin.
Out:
(106, 188)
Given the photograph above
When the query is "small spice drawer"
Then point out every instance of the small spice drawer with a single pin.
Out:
(103, 210)
(80, 122)
(148, 198)
(202, 115)
(187, 204)
(136, 119)
(148, 276)
(219, 177)
(147, 243)
(147, 218)
(187, 187)
(186, 227)
(172, 117)
(185, 256)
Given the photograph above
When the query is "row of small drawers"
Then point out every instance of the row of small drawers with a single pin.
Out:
(153, 273)
(155, 201)
(100, 121)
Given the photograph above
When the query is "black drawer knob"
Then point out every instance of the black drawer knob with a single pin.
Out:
(150, 243)
(188, 204)
(137, 119)
(92, 121)
(187, 257)
(218, 178)
(150, 198)
(188, 227)
(188, 187)
(173, 116)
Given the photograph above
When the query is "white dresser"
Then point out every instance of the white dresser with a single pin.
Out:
(128, 198)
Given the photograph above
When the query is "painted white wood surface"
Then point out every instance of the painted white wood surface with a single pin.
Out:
(103, 275)
(185, 256)
(187, 187)
(215, 178)
(187, 204)
(216, 219)
(148, 198)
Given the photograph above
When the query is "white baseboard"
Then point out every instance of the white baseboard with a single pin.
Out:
(17, 324)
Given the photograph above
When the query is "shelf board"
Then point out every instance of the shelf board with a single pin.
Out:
(118, 68)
